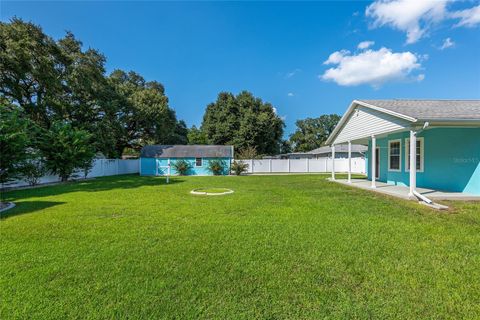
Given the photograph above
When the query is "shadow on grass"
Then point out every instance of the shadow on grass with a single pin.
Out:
(93, 185)
(28, 207)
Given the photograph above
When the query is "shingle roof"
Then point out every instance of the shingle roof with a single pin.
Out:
(184, 151)
(431, 109)
(339, 148)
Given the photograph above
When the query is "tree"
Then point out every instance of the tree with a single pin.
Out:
(285, 147)
(32, 170)
(13, 143)
(145, 114)
(66, 149)
(89, 102)
(30, 69)
(243, 121)
(311, 133)
(196, 136)
(51, 81)
(179, 134)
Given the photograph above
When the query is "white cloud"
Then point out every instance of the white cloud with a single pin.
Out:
(410, 16)
(447, 43)
(274, 110)
(336, 57)
(290, 94)
(370, 67)
(292, 73)
(468, 17)
(415, 17)
(365, 44)
(420, 77)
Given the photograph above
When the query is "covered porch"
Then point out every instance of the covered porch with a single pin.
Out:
(423, 150)
(403, 191)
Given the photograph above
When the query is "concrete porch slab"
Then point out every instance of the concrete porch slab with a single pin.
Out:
(402, 192)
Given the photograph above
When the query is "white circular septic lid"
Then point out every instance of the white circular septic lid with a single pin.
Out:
(211, 191)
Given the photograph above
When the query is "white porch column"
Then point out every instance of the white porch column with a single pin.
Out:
(413, 162)
(349, 162)
(333, 162)
(374, 161)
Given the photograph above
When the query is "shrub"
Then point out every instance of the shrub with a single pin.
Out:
(248, 153)
(87, 166)
(33, 170)
(182, 166)
(217, 166)
(65, 149)
(239, 167)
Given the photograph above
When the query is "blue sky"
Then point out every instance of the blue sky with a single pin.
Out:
(304, 58)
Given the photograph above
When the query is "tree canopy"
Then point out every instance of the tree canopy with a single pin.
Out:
(312, 133)
(62, 92)
(53, 81)
(196, 136)
(243, 121)
(13, 143)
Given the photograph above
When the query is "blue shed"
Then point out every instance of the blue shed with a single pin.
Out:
(154, 159)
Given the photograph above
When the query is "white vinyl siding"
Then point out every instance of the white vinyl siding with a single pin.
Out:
(365, 122)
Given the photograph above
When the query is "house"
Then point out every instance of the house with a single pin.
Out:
(156, 159)
(432, 144)
(358, 151)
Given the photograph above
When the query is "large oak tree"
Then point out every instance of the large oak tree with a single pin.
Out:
(311, 133)
(243, 121)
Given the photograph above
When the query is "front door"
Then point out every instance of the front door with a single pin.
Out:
(377, 163)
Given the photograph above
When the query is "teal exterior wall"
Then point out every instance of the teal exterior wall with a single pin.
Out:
(451, 160)
(148, 166)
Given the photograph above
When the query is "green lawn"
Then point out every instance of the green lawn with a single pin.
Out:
(280, 247)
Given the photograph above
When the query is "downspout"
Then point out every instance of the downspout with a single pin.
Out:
(421, 197)
(415, 192)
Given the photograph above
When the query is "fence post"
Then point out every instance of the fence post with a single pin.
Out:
(308, 165)
(288, 162)
(270, 165)
(103, 168)
(252, 161)
(118, 163)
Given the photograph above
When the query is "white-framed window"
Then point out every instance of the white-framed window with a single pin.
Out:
(395, 155)
(420, 154)
(198, 162)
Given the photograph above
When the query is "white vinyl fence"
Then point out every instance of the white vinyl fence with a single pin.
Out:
(303, 165)
(101, 168)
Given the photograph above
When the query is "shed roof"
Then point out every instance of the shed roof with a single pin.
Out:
(186, 151)
(431, 109)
